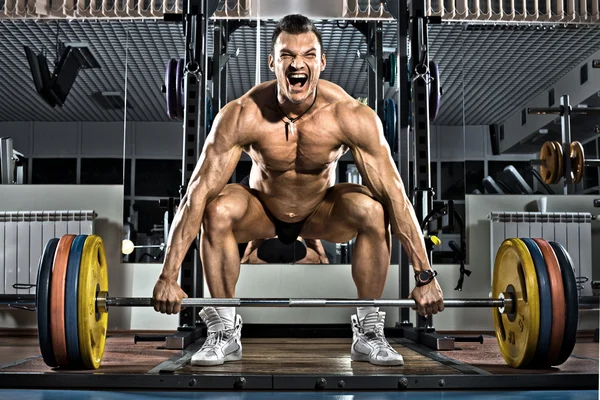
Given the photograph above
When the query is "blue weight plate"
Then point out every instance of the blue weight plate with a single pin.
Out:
(541, 352)
(71, 300)
(42, 302)
(572, 299)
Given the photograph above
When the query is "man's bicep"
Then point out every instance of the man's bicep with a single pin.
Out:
(373, 157)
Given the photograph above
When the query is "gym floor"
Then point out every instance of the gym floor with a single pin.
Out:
(294, 364)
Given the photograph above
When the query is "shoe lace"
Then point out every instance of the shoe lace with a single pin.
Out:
(214, 338)
(375, 335)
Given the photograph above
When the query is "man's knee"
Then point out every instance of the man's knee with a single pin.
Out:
(369, 214)
(219, 216)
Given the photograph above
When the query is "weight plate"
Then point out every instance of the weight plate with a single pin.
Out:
(71, 301)
(389, 115)
(42, 302)
(543, 344)
(435, 96)
(559, 310)
(93, 278)
(549, 166)
(572, 301)
(179, 96)
(517, 332)
(577, 160)
(392, 69)
(57, 300)
(560, 158)
(170, 85)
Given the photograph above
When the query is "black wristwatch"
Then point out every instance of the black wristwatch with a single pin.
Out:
(424, 277)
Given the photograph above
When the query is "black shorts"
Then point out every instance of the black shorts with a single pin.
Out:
(287, 232)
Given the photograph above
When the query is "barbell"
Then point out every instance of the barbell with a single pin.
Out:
(534, 300)
(552, 162)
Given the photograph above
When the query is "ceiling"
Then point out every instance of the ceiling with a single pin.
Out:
(498, 69)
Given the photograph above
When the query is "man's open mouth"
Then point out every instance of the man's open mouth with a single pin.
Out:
(297, 81)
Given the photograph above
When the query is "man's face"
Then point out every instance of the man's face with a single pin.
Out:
(297, 61)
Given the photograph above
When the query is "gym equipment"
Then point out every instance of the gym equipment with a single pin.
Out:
(577, 161)
(550, 167)
(170, 88)
(389, 69)
(523, 311)
(572, 301)
(179, 95)
(517, 332)
(435, 91)
(551, 162)
(541, 351)
(513, 178)
(558, 301)
(390, 114)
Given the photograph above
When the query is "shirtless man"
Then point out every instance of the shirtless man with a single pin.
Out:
(295, 129)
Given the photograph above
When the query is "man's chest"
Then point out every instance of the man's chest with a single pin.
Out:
(303, 146)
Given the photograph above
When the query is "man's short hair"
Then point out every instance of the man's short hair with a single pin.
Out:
(295, 24)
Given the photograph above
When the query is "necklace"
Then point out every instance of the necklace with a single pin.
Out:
(289, 124)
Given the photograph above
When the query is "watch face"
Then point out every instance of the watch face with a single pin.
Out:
(423, 276)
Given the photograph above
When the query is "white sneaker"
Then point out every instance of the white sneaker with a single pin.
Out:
(369, 343)
(222, 344)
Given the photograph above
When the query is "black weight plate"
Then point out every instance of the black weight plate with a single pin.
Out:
(572, 299)
(541, 352)
(71, 302)
(42, 302)
(170, 83)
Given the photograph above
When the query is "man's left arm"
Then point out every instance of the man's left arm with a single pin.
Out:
(374, 161)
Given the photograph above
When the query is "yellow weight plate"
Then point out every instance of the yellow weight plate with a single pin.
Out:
(93, 278)
(549, 167)
(517, 332)
(577, 159)
(560, 168)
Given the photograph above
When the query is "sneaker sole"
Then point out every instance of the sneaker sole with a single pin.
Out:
(230, 357)
(366, 358)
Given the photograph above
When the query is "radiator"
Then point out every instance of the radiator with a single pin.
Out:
(572, 230)
(23, 235)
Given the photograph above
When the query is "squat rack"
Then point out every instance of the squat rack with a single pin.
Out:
(200, 69)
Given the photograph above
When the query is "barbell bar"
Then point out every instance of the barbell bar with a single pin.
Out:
(560, 110)
(103, 302)
(593, 163)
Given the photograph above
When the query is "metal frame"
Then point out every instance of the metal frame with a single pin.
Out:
(416, 21)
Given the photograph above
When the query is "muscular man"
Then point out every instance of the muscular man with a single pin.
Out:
(295, 129)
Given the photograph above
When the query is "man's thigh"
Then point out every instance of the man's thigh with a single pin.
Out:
(241, 206)
(339, 217)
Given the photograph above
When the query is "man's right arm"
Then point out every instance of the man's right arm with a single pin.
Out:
(221, 153)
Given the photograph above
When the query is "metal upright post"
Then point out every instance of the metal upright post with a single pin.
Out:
(195, 19)
(565, 125)
(423, 193)
(403, 139)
